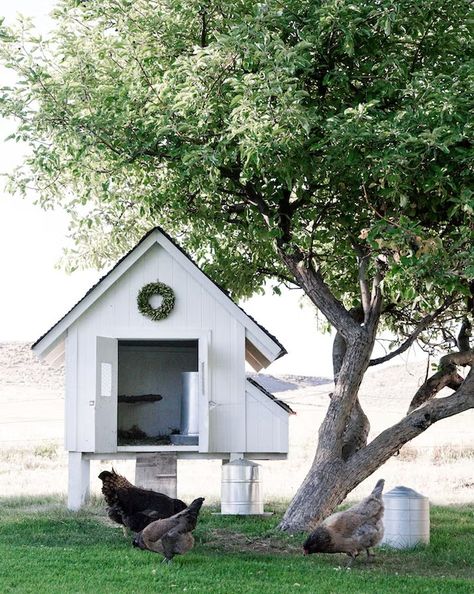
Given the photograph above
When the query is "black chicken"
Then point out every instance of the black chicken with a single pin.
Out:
(134, 507)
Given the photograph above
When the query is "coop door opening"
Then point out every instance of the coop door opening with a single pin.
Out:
(158, 396)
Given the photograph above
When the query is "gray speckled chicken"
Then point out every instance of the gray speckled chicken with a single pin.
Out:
(171, 536)
(351, 531)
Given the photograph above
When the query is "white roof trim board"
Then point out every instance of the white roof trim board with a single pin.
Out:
(261, 339)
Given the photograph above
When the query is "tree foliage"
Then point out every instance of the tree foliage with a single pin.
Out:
(340, 130)
(323, 144)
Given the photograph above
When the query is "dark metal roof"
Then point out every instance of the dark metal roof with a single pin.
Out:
(282, 352)
(281, 403)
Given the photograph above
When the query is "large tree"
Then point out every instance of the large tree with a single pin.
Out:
(322, 144)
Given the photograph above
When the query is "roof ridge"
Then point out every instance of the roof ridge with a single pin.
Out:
(282, 352)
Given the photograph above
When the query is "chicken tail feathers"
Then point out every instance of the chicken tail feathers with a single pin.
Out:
(195, 507)
(377, 492)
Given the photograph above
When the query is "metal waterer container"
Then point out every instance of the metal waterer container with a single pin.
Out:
(241, 489)
(406, 518)
(189, 426)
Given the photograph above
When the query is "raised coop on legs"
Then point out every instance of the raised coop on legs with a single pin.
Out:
(166, 386)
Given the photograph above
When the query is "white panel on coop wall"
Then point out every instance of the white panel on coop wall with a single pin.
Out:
(205, 393)
(194, 300)
(71, 400)
(106, 394)
(267, 424)
(179, 286)
(86, 383)
(118, 306)
(228, 371)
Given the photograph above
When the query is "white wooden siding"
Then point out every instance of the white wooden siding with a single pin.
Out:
(115, 314)
(71, 390)
(267, 423)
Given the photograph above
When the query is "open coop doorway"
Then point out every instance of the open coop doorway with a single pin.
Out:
(157, 392)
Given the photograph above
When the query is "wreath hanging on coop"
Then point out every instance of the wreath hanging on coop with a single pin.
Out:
(155, 313)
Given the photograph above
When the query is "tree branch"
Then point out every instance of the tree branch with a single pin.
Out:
(358, 425)
(203, 15)
(446, 376)
(287, 280)
(375, 308)
(380, 449)
(463, 339)
(363, 261)
(312, 282)
(253, 196)
(416, 55)
(419, 328)
(462, 358)
(285, 213)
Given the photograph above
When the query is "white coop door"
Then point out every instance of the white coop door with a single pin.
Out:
(106, 394)
(204, 394)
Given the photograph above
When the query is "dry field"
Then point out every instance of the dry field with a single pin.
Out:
(439, 463)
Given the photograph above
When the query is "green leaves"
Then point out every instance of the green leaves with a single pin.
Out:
(327, 128)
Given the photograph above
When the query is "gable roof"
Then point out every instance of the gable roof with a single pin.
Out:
(261, 346)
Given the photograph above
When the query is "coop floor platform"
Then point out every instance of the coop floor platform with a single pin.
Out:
(158, 448)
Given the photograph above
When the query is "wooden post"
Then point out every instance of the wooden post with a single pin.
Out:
(157, 472)
(78, 481)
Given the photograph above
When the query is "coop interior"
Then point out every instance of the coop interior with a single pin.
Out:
(157, 392)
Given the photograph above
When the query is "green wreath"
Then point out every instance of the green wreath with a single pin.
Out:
(143, 301)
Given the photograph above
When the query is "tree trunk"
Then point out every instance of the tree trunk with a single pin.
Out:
(330, 480)
(327, 484)
(357, 429)
(342, 459)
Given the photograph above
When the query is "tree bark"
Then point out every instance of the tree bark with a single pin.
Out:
(330, 480)
(336, 470)
(357, 429)
(322, 488)
(325, 485)
(446, 376)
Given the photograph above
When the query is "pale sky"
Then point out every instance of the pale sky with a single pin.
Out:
(34, 294)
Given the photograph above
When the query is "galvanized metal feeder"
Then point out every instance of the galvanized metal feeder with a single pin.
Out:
(406, 518)
(241, 492)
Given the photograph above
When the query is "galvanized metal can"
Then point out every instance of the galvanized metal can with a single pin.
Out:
(190, 403)
(406, 518)
(241, 489)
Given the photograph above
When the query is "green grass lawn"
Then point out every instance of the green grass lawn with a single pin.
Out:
(46, 549)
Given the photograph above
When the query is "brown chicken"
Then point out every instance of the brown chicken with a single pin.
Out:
(132, 506)
(171, 536)
(351, 531)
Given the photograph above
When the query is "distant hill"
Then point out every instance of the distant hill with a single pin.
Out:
(283, 383)
(19, 365)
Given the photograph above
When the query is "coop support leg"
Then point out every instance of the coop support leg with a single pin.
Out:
(78, 480)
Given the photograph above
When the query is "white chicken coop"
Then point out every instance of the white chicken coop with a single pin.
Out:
(155, 364)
